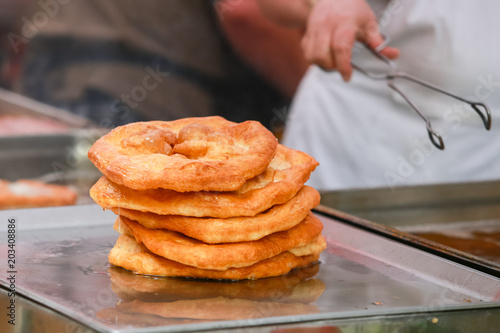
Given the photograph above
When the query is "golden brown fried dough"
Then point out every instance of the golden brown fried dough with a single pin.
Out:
(207, 198)
(190, 154)
(233, 229)
(26, 193)
(219, 308)
(279, 183)
(127, 253)
(192, 252)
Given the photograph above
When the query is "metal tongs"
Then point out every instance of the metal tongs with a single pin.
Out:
(395, 73)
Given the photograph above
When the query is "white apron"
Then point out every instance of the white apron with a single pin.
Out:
(364, 135)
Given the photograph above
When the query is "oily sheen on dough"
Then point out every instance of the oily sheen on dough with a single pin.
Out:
(127, 253)
(175, 246)
(190, 154)
(279, 183)
(232, 229)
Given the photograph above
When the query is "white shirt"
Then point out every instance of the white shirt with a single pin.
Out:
(365, 135)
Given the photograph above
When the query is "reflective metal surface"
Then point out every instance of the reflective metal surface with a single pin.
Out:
(38, 318)
(426, 204)
(62, 264)
(466, 210)
(479, 238)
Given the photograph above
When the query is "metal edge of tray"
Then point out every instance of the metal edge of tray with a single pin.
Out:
(434, 248)
(32, 107)
(19, 143)
(426, 195)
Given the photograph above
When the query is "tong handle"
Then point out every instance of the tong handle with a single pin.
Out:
(485, 116)
(394, 73)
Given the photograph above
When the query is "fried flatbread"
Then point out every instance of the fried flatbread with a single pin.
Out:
(190, 154)
(233, 229)
(279, 183)
(127, 253)
(27, 193)
(218, 308)
(192, 252)
(296, 286)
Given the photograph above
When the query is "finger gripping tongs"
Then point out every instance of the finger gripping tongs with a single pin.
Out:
(394, 73)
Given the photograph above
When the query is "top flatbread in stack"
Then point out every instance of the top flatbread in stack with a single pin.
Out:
(207, 198)
(191, 154)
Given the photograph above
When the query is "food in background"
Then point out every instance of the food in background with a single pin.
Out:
(11, 125)
(26, 193)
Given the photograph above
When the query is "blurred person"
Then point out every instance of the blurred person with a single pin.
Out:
(364, 134)
(11, 14)
(269, 48)
(272, 50)
(121, 61)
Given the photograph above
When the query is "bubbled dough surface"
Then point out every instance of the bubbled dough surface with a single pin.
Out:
(191, 154)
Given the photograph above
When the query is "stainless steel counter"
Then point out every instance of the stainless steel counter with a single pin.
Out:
(462, 220)
(63, 267)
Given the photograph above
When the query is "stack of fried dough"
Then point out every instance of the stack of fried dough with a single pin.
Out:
(207, 198)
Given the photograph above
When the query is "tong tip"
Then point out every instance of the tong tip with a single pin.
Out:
(436, 138)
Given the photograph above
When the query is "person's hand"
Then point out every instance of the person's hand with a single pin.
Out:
(332, 28)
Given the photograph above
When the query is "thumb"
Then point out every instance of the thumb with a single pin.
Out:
(377, 40)
(390, 52)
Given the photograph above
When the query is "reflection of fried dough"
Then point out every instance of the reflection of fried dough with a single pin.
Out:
(191, 154)
(235, 229)
(293, 287)
(137, 258)
(218, 308)
(175, 246)
(26, 193)
(283, 178)
(119, 318)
